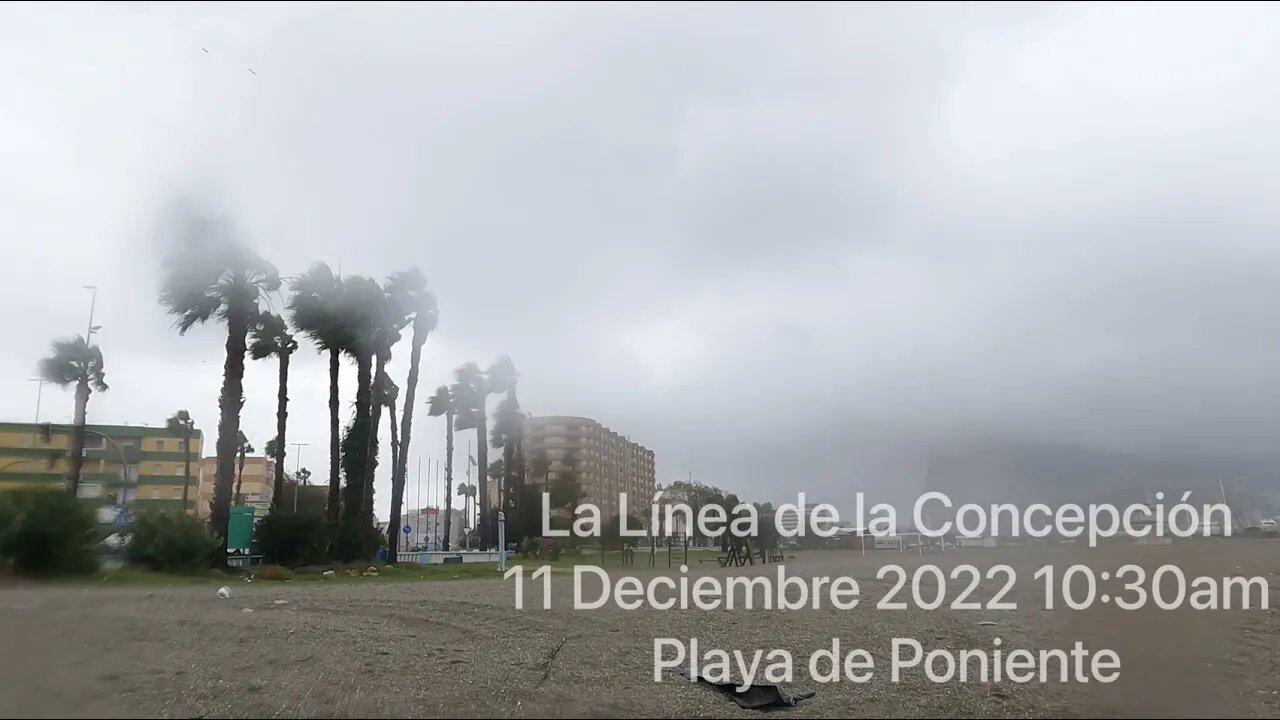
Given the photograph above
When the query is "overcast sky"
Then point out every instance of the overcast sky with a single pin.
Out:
(786, 247)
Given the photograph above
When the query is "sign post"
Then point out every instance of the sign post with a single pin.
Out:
(502, 542)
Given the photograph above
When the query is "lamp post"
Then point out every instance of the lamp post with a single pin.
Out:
(297, 463)
(39, 394)
(93, 303)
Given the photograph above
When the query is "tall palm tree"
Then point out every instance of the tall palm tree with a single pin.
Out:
(386, 333)
(181, 424)
(317, 306)
(509, 432)
(364, 311)
(442, 404)
(470, 394)
(211, 275)
(410, 294)
(246, 448)
(271, 336)
(390, 394)
(75, 362)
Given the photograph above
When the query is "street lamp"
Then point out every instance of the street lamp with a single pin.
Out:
(93, 302)
(39, 393)
(297, 463)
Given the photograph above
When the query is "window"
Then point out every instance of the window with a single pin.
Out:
(177, 493)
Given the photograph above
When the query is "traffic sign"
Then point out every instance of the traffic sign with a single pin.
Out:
(407, 529)
(123, 517)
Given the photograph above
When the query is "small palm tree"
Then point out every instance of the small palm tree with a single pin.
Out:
(470, 396)
(181, 424)
(271, 336)
(75, 362)
(317, 306)
(467, 491)
(246, 448)
(540, 465)
(211, 275)
(409, 292)
(442, 404)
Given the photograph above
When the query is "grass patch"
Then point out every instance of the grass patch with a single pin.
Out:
(130, 576)
(272, 572)
(138, 577)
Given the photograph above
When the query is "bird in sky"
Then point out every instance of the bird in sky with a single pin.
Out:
(251, 70)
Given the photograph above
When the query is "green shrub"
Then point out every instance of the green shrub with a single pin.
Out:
(292, 540)
(171, 542)
(47, 532)
(274, 572)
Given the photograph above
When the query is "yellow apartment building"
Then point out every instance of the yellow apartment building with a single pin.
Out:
(256, 488)
(122, 463)
(606, 462)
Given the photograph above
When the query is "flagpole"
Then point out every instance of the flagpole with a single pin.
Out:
(466, 499)
(417, 521)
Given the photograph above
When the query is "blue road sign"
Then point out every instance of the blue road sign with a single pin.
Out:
(407, 529)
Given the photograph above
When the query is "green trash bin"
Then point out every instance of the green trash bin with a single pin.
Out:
(240, 528)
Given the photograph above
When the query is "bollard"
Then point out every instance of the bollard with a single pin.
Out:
(502, 542)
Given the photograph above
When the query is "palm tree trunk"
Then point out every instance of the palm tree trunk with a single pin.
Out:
(230, 402)
(353, 528)
(335, 450)
(448, 478)
(397, 490)
(520, 479)
(400, 456)
(482, 459)
(282, 419)
(508, 490)
(186, 467)
(77, 436)
(240, 479)
(371, 455)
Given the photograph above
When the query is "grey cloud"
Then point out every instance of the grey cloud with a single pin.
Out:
(776, 244)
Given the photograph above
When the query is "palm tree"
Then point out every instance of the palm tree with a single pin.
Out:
(271, 336)
(363, 310)
(181, 424)
(442, 404)
(390, 394)
(409, 290)
(470, 393)
(245, 448)
(540, 464)
(318, 310)
(76, 362)
(387, 322)
(467, 491)
(508, 431)
(211, 275)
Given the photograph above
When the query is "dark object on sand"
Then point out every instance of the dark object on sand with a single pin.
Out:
(756, 697)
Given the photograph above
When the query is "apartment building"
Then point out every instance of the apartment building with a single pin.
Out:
(606, 462)
(256, 487)
(123, 464)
